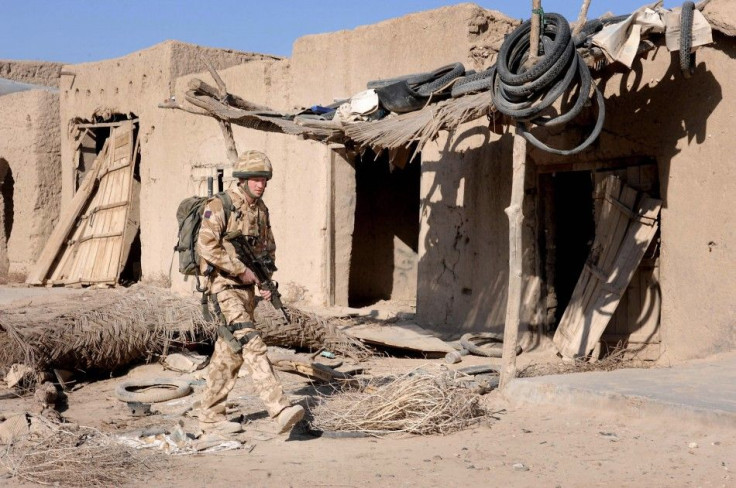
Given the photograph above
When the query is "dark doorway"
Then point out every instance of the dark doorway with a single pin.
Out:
(568, 229)
(386, 213)
(7, 189)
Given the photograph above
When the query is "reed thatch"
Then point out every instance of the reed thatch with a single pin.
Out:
(71, 455)
(419, 402)
(307, 331)
(99, 329)
(109, 329)
(395, 131)
(422, 125)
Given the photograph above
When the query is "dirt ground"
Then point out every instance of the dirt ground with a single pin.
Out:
(515, 446)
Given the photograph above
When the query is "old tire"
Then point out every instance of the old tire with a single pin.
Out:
(152, 390)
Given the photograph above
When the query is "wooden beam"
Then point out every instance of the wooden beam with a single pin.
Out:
(516, 221)
(515, 212)
(93, 125)
(534, 33)
(582, 16)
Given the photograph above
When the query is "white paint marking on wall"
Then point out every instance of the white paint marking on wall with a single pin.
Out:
(460, 199)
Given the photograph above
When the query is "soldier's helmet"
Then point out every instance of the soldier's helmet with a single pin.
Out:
(253, 164)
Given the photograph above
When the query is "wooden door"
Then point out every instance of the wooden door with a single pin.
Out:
(627, 222)
(98, 248)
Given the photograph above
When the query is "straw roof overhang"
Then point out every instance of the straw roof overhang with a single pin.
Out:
(392, 132)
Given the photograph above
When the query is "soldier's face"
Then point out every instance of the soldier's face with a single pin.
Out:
(257, 186)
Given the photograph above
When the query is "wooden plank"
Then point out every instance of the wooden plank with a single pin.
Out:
(105, 124)
(131, 218)
(93, 255)
(578, 330)
(567, 328)
(66, 225)
(634, 245)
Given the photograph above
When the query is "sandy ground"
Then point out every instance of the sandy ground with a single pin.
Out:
(515, 446)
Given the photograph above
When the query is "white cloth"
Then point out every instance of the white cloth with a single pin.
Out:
(620, 42)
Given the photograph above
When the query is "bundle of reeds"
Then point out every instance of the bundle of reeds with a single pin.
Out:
(99, 329)
(112, 328)
(420, 126)
(306, 331)
(419, 402)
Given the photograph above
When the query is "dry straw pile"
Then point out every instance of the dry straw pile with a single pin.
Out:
(419, 402)
(619, 357)
(112, 328)
(70, 455)
(307, 331)
(99, 329)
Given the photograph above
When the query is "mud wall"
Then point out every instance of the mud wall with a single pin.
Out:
(297, 195)
(29, 153)
(136, 84)
(339, 64)
(34, 72)
(462, 262)
(312, 193)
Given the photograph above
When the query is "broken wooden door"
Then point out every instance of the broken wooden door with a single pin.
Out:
(628, 221)
(102, 221)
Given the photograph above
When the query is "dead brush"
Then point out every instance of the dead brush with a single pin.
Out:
(419, 402)
(307, 331)
(110, 329)
(619, 357)
(70, 455)
(100, 329)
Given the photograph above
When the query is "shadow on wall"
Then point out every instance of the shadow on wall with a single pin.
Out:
(651, 120)
(463, 271)
(7, 184)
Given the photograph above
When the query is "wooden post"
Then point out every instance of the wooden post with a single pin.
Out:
(225, 126)
(515, 214)
(582, 16)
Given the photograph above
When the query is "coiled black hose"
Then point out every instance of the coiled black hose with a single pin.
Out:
(525, 94)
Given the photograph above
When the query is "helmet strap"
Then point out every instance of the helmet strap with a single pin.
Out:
(247, 191)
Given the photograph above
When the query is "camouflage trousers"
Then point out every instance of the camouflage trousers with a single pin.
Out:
(237, 306)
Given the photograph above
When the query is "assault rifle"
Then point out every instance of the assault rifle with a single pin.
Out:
(262, 266)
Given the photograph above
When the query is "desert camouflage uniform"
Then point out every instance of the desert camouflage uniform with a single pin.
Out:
(237, 302)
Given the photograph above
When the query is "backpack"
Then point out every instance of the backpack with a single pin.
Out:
(189, 216)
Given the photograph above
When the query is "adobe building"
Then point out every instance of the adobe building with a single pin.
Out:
(30, 162)
(433, 237)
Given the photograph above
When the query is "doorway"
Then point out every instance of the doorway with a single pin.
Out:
(567, 231)
(7, 188)
(383, 264)
(118, 194)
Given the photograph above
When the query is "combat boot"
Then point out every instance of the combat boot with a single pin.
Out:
(289, 417)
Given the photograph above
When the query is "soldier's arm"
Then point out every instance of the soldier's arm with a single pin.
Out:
(209, 244)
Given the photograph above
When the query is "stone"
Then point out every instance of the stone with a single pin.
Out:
(14, 428)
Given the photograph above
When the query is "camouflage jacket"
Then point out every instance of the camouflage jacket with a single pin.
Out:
(251, 220)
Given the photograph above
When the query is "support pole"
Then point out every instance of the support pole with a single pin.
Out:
(225, 126)
(582, 17)
(515, 213)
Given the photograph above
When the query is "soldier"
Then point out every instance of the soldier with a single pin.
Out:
(233, 286)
